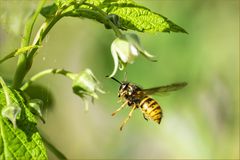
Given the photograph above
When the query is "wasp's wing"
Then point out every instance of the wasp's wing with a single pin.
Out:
(165, 89)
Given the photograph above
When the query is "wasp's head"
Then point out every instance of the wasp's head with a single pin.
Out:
(123, 89)
(126, 88)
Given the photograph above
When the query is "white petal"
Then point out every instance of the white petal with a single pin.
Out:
(148, 56)
(115, 59)
(122, 48)
(134, 50)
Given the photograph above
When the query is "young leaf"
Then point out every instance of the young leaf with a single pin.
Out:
(23, 142)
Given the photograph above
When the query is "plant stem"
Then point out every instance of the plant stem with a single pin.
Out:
(21, 64)
(25, 61)
(46, 26)
(44, 73)
(30, 24)
(42, 32)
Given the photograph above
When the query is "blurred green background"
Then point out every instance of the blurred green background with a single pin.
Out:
(200, 122)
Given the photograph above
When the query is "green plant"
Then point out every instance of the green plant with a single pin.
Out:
(19, 135)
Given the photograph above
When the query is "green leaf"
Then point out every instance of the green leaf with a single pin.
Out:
(129, 14)
(23, 142)
(139, 18)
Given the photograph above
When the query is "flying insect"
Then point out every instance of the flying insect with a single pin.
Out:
(136, 97)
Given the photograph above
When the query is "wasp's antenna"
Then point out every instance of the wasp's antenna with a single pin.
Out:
(116, 80)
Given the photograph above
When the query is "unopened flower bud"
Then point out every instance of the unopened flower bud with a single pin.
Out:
(86, 84)
(11, 112)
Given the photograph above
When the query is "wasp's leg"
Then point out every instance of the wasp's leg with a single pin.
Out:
(122, 106)
(120, 100)
(144, 116)
(129, 116)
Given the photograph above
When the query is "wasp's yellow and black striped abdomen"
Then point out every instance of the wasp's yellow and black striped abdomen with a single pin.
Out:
(151, 109)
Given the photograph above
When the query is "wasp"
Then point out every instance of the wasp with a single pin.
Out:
(136, 97)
